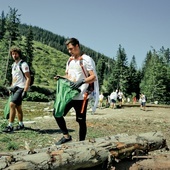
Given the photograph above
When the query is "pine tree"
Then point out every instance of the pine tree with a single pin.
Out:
(154, 82)
(10, 38)
(100, 68)
(2, 25)
(165, 57)
(134, 79)
(121, 70)
(29, 47)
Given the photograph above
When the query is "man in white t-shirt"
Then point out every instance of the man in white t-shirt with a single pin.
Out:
(18, 89)
(143, 102)
(80, 71)
(113, 98)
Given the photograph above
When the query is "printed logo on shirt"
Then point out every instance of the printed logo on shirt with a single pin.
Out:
(26, 68)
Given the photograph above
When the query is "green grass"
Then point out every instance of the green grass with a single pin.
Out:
(16, 140)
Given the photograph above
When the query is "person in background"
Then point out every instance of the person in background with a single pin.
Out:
(143, 102)
(107, 101)
(19, 88)
(113, 98)
(140, 100)
(101, 97)
(134, 100)
(120, 98)
(75, 73)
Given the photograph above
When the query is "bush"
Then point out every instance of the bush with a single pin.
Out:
(3, 91)
(41, 90)
(37, 97)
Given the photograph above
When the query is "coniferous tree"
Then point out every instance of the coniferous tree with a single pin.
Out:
(134, 80)
(122, 70)
(2, 25)
(153, 83)
(12, 26)
(29, 47)
(110, 77)
(10, 38)
(100, 68)
(147, 61)
(118, 78)
(165, 57)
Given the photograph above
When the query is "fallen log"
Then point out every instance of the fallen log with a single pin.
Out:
(85, 154)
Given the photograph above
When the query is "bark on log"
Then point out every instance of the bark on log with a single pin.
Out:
(84, 154)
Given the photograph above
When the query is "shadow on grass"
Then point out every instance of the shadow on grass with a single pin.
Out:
(47, 131)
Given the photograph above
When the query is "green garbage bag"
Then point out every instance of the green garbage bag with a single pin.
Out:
(64, 94)
(7, 108)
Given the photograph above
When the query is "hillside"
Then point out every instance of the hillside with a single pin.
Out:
(47, 63)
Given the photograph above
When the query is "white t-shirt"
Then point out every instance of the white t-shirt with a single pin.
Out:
(101, 97)
(113, 96)
(120, 95)
(143, 98)
(75, 73)
(18, 78)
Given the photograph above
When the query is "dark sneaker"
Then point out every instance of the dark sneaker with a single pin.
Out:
(63, 140)
(19, 127)
(8, 129)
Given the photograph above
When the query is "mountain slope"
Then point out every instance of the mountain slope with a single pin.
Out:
(47, 63)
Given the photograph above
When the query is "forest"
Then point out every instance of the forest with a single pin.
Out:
(46, 55)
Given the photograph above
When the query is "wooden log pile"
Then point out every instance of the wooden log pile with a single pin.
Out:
(84, 154)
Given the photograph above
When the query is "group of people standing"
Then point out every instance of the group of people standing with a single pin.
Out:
(116, 96)
(80, 71)
(112, 99)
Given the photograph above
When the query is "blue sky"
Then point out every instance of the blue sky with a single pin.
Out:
(138, 25)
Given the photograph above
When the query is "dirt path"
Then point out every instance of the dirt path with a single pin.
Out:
(129, 120)
(107, 121)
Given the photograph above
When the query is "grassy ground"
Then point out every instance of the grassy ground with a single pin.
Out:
(42, 131)
(16, 140)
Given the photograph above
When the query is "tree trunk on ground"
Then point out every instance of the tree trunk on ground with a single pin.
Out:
(84, 154)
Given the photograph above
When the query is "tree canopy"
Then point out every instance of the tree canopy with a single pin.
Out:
(153, 79)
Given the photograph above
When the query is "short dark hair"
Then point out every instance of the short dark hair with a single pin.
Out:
(73, 41)
(16, 49)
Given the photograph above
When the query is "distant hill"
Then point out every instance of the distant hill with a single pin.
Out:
(47, 63)
(50, 54)
(57, 41)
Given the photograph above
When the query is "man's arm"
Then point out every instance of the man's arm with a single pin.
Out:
(91, 78)
(28, 80)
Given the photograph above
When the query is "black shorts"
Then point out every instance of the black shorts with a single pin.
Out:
(120, 100)
(113, 100)
(17, 96)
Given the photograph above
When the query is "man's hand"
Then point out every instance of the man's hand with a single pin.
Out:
(56, 77)
(24, 94)
(77, 84)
